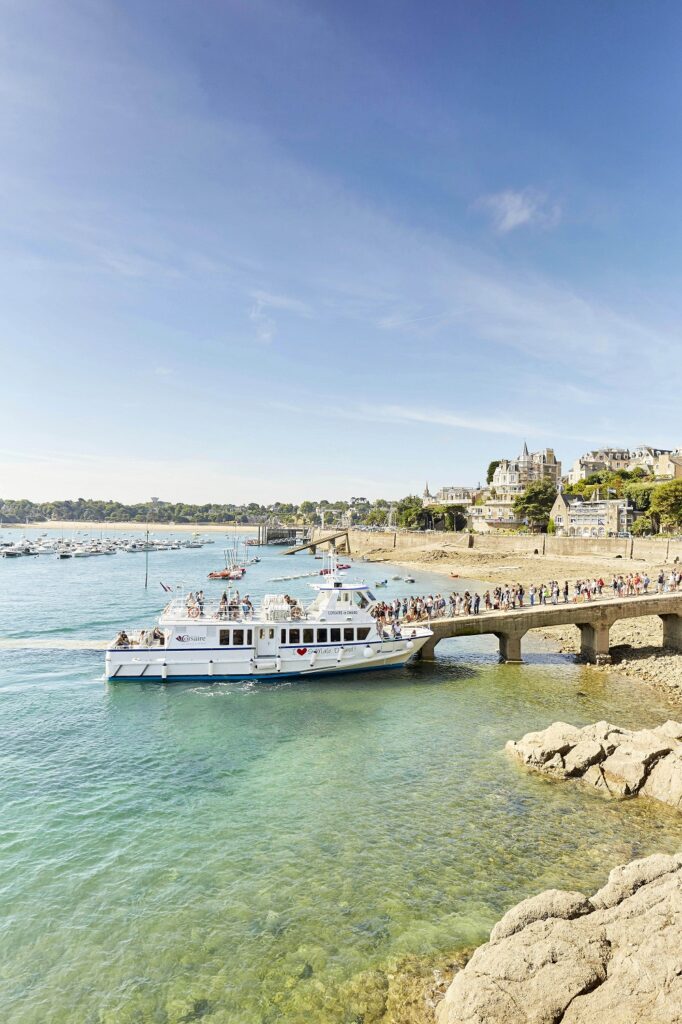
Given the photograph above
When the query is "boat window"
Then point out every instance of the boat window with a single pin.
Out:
(348, 632)
(224, 638)
(322, 636)
(237, 637)
(271, 634)
(294, 636)
(335, 636)
(249, 636)
(363, 632)
(283, 636)
(360, 599)
(308, 636)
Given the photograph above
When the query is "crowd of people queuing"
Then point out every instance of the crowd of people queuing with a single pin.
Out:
(516, 596)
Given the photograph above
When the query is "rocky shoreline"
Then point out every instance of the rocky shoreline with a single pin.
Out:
(617, 762)
(561, 956)
(615, 956)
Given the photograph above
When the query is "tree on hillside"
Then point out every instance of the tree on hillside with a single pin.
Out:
(535, 504)
(376, 517)
(639, 494)
(491, 471)
(666, 502)
(449, 517)
(410, 512)
(643, 526)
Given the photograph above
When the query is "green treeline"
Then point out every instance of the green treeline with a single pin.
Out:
(408, 512)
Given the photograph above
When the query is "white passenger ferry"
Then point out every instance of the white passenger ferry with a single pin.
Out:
(281, 638)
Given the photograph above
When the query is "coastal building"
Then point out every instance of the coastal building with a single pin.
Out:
(492, 509)
(512, 476)
(493, 514)
(596, 461)
(449, 495)
(663, 463)
(596, 517)
(668, 465)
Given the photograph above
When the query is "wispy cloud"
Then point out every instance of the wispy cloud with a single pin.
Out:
(495, 423)
(265, 326)
(510, 210)
(388, 323)
(264, 322)
(283, 302)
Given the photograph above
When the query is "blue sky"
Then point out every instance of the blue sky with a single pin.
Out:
(273, 250)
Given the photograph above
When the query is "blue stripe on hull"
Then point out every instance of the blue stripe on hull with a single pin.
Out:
(245, 679)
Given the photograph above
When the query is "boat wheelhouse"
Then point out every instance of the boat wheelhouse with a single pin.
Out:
(281, 638)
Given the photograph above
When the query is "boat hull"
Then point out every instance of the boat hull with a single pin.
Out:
(206, 665)
(254, 678)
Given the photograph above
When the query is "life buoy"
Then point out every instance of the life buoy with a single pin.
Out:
(193, 613)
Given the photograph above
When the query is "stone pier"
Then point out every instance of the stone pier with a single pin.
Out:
(672, 631)
(510, 647)
(594, 642)
(593, 618)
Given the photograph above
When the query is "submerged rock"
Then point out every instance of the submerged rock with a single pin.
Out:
(620, 762)
(561, 956)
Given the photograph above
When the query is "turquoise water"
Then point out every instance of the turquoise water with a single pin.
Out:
(242, 853)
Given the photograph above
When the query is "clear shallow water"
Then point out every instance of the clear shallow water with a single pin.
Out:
(239, 853)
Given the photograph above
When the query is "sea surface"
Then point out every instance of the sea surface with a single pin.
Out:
(255, 853)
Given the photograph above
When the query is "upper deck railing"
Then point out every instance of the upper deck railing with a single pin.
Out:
(215, 610)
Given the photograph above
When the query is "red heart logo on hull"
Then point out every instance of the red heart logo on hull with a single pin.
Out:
(301, 650)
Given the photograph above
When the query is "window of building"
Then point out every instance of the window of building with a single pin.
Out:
(335, 635)
(308, 636)
(363, 632)
(348, 632)
(224, 637)
(322, 636)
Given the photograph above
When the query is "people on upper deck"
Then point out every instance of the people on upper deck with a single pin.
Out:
(122, 639)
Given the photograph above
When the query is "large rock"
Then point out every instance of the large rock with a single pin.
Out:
(585, 753)
(626, 879)
(560, 956)
(664, 781)
(538, 747)
(619, 762)
(552, 903)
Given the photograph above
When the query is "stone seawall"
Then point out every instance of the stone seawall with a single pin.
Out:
(648, 549)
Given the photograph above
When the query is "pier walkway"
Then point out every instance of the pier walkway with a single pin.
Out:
(593, 618)
(328, 538)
